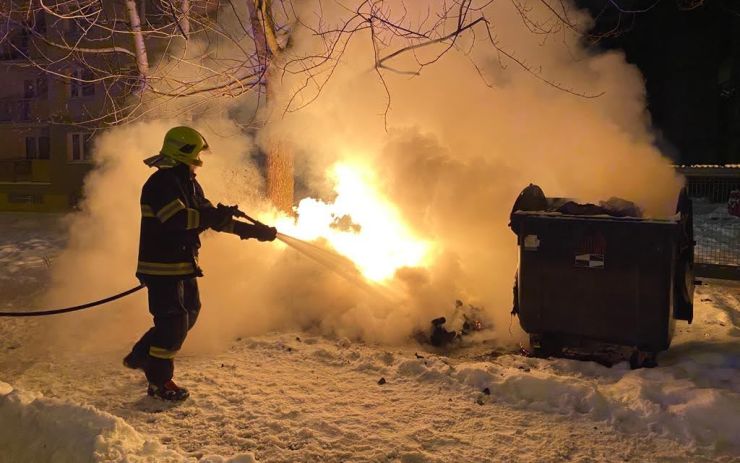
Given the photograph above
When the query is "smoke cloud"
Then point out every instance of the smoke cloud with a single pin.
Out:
(452, 147)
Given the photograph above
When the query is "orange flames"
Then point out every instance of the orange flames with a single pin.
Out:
(361, 224)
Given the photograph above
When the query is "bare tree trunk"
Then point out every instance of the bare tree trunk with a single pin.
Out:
(279, 163)
(258, 32)
(142, 61)
(185, 17)
(280, 175)
(268, 26)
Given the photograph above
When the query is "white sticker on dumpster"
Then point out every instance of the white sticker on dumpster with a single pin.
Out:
(531, 242)
(590, 260)
(591, 251)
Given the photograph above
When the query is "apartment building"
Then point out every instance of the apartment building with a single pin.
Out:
(60, 84)
(45, 150)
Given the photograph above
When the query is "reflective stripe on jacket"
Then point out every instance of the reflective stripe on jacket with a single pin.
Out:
(171, 201)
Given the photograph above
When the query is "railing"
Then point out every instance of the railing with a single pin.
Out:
(716, 230)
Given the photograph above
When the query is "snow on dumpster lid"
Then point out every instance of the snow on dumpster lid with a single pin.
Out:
(707, 166)
(709, 170)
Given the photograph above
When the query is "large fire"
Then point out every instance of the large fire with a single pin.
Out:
(361, 224)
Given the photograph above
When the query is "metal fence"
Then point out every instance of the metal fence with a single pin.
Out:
(716, 231)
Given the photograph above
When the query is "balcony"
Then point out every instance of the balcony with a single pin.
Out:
(25, 170)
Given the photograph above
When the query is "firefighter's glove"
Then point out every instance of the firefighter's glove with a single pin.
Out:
(216, 217)
(258, 231)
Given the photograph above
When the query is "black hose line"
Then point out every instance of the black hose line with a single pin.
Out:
(72, 309)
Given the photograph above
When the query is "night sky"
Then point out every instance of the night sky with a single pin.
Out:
(689, 54)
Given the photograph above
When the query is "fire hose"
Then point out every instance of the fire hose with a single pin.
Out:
(288, 240)
(39, 313)
(73, 308)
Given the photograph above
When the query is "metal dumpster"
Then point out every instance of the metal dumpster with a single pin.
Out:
(600, 278)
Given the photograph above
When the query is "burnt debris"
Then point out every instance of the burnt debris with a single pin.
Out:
(441, 334)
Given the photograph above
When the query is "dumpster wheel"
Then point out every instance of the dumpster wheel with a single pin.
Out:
(545, 345)
(643, 359)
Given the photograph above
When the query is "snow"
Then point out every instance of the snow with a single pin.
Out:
(717, 234)
(34, 428)
(665, 401)
(28, 244)
(293, 397)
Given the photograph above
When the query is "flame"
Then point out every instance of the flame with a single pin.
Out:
(361, 224)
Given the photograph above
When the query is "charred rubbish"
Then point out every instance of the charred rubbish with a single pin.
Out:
(441, 334)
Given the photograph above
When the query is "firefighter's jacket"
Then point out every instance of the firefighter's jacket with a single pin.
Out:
(171, 204)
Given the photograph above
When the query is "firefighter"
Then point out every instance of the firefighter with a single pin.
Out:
(174, 211)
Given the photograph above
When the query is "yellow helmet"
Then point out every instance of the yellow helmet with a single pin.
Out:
(184, 144)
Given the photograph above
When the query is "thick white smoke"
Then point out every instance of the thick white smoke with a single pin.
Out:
(455, 147)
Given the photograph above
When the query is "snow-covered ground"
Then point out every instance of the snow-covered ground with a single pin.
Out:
(28, 244)
(295, 397)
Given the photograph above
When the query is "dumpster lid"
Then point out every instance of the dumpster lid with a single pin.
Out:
(532, 201)
(554, 214)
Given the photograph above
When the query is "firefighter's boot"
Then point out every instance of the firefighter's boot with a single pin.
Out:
(168, 391)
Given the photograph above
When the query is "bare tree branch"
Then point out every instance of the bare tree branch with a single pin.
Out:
(138, 59)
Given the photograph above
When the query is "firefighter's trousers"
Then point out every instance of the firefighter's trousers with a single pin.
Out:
(175, 306)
